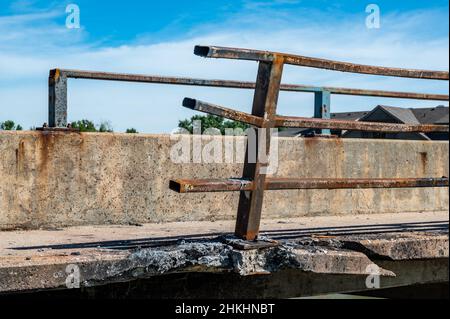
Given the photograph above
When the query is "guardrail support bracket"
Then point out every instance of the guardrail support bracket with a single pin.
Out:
(57, 99)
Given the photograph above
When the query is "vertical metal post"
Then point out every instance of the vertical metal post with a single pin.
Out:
(264, 105)
(322, 101)
(57, 99)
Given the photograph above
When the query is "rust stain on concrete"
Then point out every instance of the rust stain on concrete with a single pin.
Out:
(20, 158)
(424, 161)
(46, 142)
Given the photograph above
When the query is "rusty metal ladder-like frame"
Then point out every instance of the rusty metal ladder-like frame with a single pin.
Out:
(264, 115)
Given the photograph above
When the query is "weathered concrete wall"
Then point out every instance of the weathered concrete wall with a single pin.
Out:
(59, 179)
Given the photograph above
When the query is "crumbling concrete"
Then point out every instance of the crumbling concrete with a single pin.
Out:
(99, 267)
(344, 261)
(55, 179)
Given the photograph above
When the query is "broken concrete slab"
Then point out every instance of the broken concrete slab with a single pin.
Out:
(43, 260)
(103, 266)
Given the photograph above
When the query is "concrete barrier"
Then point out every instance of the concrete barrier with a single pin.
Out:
(51, 179)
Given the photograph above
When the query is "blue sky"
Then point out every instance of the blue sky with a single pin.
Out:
(157, 37)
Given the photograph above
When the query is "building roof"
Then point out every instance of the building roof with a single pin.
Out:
(429, 115)
(443, 120)
(432, 115)
(350, 116)
(405, 116)
(292, 132)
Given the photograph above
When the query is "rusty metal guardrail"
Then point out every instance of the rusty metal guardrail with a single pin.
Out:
(267, 87)
(58, 84)
(264, 115)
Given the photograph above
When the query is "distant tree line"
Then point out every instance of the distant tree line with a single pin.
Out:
(82, 125)
(211, 121)
(85, 125)
(103, 127)
(10, 126)
(89, 126)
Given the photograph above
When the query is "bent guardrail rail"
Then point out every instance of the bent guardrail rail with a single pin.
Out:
(268, 85)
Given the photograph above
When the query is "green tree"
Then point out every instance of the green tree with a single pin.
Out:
(89, 126)
(211, 121)
(84, 126)
(105, 127)
(10, 126)
(131, 130)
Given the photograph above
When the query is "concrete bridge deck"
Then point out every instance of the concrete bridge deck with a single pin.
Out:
(316, 255)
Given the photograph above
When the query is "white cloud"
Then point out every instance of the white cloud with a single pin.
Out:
(23, 6)
(263, 4)
(157, 108)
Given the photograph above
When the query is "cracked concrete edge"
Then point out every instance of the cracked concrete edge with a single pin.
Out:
(343, 262)
(353, 255)
(218, 257)
(103, 267)
(410, 246)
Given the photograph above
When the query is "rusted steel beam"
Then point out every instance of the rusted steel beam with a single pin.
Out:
(210, 185)
(231, 185)
(303, 122)
(255, 55)
(315, 123)
(209, 108)
(57, 99)
(125, 77)
(351, 183)
(265, 101)
(109, 76)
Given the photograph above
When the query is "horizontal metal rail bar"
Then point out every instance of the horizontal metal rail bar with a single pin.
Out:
(315, 123)
(229, 185)
(209, 108)
(108, 76)
(210, 185)
(303, 122)
(255, 55)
